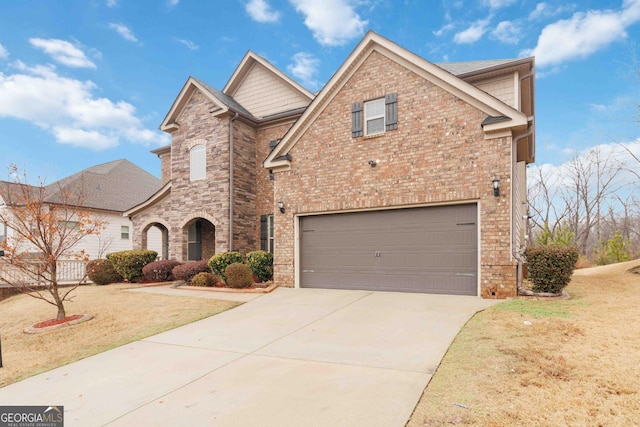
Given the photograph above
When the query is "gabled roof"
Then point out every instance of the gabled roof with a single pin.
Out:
(222, 102)
(158, 195)
(247, 63)
(431, 72)
(113, 186)
(469, 67)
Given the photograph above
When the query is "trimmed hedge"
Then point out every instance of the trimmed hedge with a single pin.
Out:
(159, 271)
(239, 275)
(101, 272)
(129, 264)
(188, 270)
(205, 279)
(219, 262)
(261, 264)
(551, 266)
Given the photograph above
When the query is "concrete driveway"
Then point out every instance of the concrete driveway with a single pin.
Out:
(295, 357)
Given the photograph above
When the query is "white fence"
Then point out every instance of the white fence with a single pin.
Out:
(68, 271)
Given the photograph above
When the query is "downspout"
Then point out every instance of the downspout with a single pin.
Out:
(515, 252)
(231, 188)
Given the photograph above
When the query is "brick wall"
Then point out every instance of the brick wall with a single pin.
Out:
(437, 155)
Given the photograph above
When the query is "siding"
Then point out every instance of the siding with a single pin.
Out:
(263, 93)
(519, 207)
(501, 87)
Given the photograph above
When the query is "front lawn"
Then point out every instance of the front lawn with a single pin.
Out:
(120, 317)
(570, 362)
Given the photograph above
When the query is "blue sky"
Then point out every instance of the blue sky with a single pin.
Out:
(83, 82)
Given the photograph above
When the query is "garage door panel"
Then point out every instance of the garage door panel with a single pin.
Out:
(430, 250)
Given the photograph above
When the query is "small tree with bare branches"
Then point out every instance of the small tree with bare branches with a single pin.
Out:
(41, 232)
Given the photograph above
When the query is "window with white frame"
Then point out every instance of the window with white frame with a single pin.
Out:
(270, 234)
(3, 232)
(374, 116)
(124, 232)
(198, 163)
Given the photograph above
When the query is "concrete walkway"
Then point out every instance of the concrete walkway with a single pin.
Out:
(295, 357)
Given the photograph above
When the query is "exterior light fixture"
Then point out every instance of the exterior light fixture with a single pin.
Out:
(496, 186)
(373, 163)
(281, 206)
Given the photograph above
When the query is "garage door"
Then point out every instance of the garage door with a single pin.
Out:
(431, 250)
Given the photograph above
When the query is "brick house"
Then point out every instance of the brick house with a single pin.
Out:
(399, 175)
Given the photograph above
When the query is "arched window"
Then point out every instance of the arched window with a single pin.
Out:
(198, 163)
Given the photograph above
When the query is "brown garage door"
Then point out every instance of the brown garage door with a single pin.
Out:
(431, 250)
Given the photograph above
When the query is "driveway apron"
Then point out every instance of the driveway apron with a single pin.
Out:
(295, 357)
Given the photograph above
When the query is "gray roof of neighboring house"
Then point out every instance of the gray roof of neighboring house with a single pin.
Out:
(460, 68)
(225, 99)
(113, 186)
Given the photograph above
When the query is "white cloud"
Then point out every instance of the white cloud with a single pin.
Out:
(172, 3)
(305, 68)
(583, 34)
(473, 33)
(124, 31)
(63, 52)
(69, 109)
(112, 3)
(4, 53)
(332, 22)
(445, 28)
(188, 43)
(497, 4)
(260, 11)
(507, 32)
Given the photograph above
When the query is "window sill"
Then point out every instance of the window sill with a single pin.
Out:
(377, 135)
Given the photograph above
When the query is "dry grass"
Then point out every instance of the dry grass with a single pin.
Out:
(120, 317)
(576, 364)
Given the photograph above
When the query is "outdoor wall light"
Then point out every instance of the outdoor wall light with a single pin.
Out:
(496, 186)
(281, 206)
(373, 163)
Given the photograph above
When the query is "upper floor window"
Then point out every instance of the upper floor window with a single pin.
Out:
(374, 117)
(198, 163)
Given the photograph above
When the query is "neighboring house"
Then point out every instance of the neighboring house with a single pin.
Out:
(384, 180)
(107, 191)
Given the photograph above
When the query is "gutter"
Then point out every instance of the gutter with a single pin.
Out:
(231, 187)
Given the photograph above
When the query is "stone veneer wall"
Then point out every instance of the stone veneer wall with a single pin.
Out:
(437, 155)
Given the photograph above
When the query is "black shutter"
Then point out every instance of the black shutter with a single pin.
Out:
(264, 237)
(391, 111)
(356, 120)
(272, 144)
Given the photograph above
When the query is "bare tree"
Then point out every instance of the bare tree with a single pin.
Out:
(39, 235)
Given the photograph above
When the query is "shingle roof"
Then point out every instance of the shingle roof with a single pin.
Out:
(460, 68)
(225, 99)
(113, 186)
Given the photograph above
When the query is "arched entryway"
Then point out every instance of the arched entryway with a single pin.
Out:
(155, 236)
(199, 240)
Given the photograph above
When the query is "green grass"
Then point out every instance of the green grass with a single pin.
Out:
(539, 308)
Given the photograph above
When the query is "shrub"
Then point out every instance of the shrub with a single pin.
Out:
(239, 275)
(129, 263)
(159, 271)
(219, 262)
(205, 279)
(551, 267)
(188, 270)
(101, 272)
(261, 264)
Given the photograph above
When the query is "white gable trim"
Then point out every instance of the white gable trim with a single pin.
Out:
(247, 63)
(170, 122)
(431, 72)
